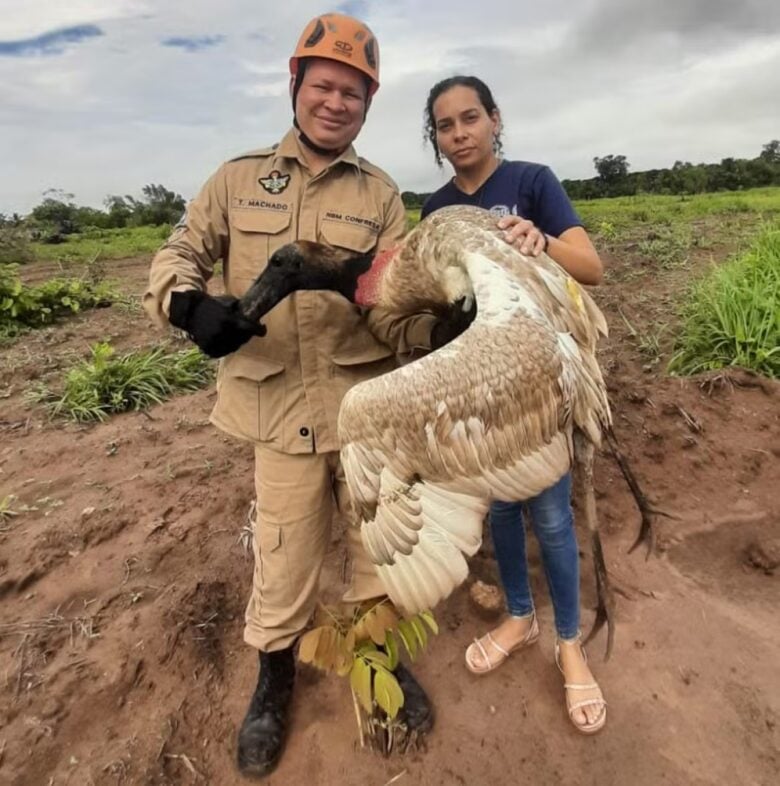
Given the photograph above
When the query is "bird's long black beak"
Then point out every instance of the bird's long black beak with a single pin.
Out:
(303, 265)
(280, 278)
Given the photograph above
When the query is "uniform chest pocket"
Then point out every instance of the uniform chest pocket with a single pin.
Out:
(254, 236)
(351, 236)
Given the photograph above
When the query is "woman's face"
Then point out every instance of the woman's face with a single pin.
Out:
(464, 129)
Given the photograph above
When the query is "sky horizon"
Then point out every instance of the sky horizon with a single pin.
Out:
(102, 97)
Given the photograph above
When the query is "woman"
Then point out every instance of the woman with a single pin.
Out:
(463, 124)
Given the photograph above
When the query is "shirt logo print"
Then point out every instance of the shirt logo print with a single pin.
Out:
(275, 183)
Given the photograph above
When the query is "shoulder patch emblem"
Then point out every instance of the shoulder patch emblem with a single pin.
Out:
(275, 183)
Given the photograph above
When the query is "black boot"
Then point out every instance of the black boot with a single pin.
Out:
(417, 713)
(262, 734)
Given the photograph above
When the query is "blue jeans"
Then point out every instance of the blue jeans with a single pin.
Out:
(553, 523)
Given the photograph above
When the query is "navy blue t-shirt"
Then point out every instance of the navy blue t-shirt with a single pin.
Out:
(517, 188)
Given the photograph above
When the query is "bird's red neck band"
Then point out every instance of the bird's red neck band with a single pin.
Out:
(368, 285)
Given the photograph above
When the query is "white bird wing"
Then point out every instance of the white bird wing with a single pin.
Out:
(489, 416)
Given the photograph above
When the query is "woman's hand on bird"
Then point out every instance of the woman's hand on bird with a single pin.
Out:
(523, 235)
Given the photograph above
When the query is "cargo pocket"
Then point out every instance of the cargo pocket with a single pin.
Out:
(275, 584)
(350, 236)
(251, 400)
(254, 236)
(356, 364)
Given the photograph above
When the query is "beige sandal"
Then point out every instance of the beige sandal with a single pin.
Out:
(572, 707)
(478, 647)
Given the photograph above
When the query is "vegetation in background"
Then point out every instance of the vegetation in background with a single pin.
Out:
(108, 243)
(14, 242)
(613, 178)
(58, 216)
(108, 384)
(24, 307)
(732, 316)
(619, 213)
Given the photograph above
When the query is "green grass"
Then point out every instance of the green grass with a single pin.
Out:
(624, 212)
(607, 219)
(105, 243)
(732, 316)
(108, 384)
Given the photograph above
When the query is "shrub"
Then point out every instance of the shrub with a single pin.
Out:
(732, 316)
(23, 307)
(105, 384)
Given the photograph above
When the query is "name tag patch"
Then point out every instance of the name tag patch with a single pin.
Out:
(346, 218)
(252, 203)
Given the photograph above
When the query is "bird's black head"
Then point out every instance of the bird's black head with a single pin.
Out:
(304, 265)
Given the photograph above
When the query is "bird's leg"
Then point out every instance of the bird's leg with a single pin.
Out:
(605, 598)
(646, 509)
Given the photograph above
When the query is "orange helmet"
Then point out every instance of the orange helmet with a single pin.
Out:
(342, 38)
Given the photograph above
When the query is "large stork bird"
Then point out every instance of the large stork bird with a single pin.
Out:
(501, 412)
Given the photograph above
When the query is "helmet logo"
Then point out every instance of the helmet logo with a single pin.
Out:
(344, 47)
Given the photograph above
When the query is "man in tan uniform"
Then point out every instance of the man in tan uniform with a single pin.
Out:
(282, 391)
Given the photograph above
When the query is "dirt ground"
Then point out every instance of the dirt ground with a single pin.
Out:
(123, 582)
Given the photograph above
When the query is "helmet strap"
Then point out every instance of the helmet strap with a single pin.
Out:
(313, 146)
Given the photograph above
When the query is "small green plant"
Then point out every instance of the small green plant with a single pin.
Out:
(23, 307)
(106, 384)
(364, 644)
(667, 246)
(606, 230)
(648, 342)
(732, 316)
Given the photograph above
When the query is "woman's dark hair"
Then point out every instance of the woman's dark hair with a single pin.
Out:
(485, 98)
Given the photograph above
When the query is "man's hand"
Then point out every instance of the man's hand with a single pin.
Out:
(215, 324)
(457, 319)
(523, 235)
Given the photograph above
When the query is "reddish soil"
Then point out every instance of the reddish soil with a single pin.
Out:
(124, 576)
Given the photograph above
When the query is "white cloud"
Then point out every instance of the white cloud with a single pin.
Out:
(116, 111)
(28, 18)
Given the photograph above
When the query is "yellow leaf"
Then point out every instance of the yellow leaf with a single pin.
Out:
(388, 693)
(406, 632)
(344, 657)
(349, 642)
(386, 616)
(375, 628)
(360, 681)
(377, 658)
(430, 621)
(391, 645)
(361, 631)
(308, 647)
(325, 655)
(419, 631)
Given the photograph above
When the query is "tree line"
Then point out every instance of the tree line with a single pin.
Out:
(614, 179)
(58, 215)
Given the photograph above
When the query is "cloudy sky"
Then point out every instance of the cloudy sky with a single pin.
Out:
(100, 97)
